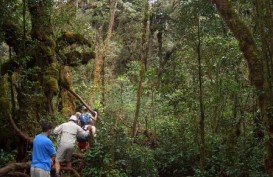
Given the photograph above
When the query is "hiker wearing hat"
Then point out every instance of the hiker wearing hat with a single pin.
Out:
(68, 132)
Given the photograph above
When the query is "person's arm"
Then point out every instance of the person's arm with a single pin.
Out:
(82, 131)
(52, 151)
(79, 120)
(52, 159)
(58, 130)
(93, 130)
(95, 116)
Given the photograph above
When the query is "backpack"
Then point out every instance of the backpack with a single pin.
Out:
(85, 119)
(82, 137)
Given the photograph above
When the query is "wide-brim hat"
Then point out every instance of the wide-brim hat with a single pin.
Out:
(74, 118)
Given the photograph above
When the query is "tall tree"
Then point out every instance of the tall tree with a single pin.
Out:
(142, 67)
(260, 67)
(201, 103)
(98, 73)
(34, 71)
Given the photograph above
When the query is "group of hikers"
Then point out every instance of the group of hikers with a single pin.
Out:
(78, 128)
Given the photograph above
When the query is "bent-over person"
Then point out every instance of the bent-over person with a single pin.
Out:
(83, 140)
(68, 132)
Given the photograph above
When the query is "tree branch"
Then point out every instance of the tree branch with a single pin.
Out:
(75, 173)
(77, 161)
(13, 35)
(81, 100)
(13, 174)
(76, 58)
(78, 155)
(69, 38)
(14, 166)
(18, 131)
(246, 41)
(26, 166)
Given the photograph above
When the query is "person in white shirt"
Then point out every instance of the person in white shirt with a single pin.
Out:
(68, 132)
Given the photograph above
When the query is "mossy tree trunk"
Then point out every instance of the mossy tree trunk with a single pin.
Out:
(98, 73)
(201, 102)
(44, 49)
(259, 64)
(44, 58)
(34, 71)
(142, 69)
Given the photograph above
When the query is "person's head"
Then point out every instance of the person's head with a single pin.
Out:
(47, 127)
(78, 114)
(73, 118)
(84, 109)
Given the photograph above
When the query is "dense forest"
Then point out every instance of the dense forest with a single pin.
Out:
(181, 87)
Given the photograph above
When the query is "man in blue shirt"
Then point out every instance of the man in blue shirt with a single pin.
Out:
(43, 151)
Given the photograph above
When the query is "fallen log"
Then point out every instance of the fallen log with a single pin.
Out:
(75, 173)
(14, 167)
(15, 174)
(78, 155)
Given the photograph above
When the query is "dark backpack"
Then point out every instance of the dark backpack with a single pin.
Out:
(82, 137)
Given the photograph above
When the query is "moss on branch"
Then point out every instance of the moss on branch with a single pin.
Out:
(69, 38)
(76, 58)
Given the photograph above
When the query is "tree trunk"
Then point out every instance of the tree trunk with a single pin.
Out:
(160, 55)
(35, 73)
(201, 103)
(39, 76)
(259, 73)
(142, 69)
(246, 41)
(50, 73)
(98, 73)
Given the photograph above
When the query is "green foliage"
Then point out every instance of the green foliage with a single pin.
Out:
(169, 112)
(243, 159)
(178, 153)
(6, 157)
(113, 155)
